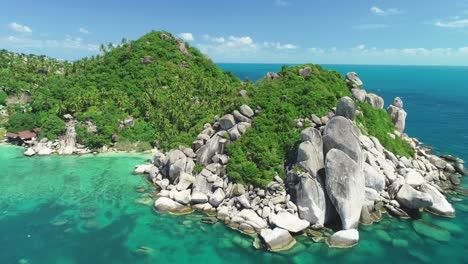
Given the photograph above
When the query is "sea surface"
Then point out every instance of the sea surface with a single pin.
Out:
(91, 209)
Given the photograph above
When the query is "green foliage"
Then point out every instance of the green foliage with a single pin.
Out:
(22, 121)
(377, 123)
(3, 97)
(51, 127)
(272, 140)
(133, 146)
(197, 168)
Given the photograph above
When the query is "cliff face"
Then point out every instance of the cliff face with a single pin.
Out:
(68, 143)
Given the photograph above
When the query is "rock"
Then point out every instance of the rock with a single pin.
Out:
(359, 94)
(45, 151)
(453, 178)
(401, 243)
(346, 108)
(199, 198)
(217, 197)
(68, 143)
(353, 80)
(242, 93)
(277, 239)
(246, 228)
(145, 60)
(288, 221)
(240, 117)
(414, 178)
(185, 181)
(459, 168)
(413, 199)
(179, 167)
(309, 196)
(430, 231)
(373, 178)
(164, 36)
(244, 201)
(340, 133)
(398, 117)
(234, 133)
(242, 127)
(209, 220)
(206, 152)
(345, 185)
(438, 162)
(252, 218)
(440, 205)
(272, 76)
(182, 197)
(397, 102)
(344, 239)
(266, 212)
(374, 100)
(142, 169)
(165, 204)
(306, 71)
(246, 111)
(30, 152)
(310, 152)
(183, 49)
(227, 121)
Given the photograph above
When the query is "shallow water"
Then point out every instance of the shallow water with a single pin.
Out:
(83, 210)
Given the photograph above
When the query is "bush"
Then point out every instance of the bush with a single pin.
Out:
(3, 97)
(52, 126)
(22, 121)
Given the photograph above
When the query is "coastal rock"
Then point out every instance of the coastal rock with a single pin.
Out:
(243, 201)
(199, 198)
(344, 239)
(353, 80)
(374, 100)
(440, 205)
(414, 178)
(288, 221)
(217, 197)
(30, 152)
(310, 151)
(397, 102)
(250, 217)
(165, 204)
(182, 197)
(227, 121)
(438, 162)
(373, 178)
(277, 239)
(68, 143)
(340, 133)
(246, 111)
(179, 167)
(413, 199)
(309, 196)
(207, 151)
(359, 94)
(272, 76)
(346, 108)
(185, 181)
(398, 117)
(345, 185)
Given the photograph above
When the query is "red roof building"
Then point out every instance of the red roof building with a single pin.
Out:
(26, 135)
(11, 135)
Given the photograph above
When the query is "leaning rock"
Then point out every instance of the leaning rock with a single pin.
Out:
(344, 239)
(345, 185)
(346, 108)
(217, 197)
(440, 205)
(164, 204)
(289, 222)
(207, 151)
(277, 239)
(374, 179)
(310, 152)
(340, 133)
(375, 101)
(413, 199)
(398, 117)
(353, 80)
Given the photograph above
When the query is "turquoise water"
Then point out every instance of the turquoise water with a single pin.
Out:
(90, 209)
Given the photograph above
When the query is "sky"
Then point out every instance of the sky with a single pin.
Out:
(403, 32)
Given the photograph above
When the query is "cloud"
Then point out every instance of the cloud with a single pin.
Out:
(316, 50)
(458, 23)
(240, 41)
(83, 30)
(186, 36)
(360, 47)
(19, 28)
(385, 12)
(279, 46)
(214, 39)
(282, 3)
(70, 43)
(371, 26)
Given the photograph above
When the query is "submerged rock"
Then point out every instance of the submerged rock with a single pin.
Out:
(277, 239)
(288, 221)
(344, 239)
(431, 231)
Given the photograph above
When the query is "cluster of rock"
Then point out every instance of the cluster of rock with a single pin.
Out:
(65, 145)
(341, 177)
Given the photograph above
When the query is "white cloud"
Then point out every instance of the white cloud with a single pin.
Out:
(282, 3)
(83, 30)
(385, 12)
(186, 36)
(463, 50)
(317, 50)
(19, 28)
(371, 26)
(70, 43)
(279, 46)
(214, 39)
(459, 23)
(360, 47)
(240, 41)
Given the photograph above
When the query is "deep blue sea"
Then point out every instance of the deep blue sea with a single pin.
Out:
(92, 210)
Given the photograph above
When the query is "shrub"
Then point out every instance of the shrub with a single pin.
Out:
(22, 121)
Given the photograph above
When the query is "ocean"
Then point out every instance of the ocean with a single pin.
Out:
(91, 209)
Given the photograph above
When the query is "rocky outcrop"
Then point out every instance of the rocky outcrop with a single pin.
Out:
(440, 205)
(289, 222)
(68, 143)
(164, 204)
(397, 114)
(183, 48)
(306, 71)
(310, 151)
(359, 94)
(344, 239)
(346, 108)
(272, 76)
(413, 199)
(353, 80)
(345, 186)
(374, 100)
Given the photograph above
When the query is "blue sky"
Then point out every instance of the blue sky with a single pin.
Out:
(269, 31)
